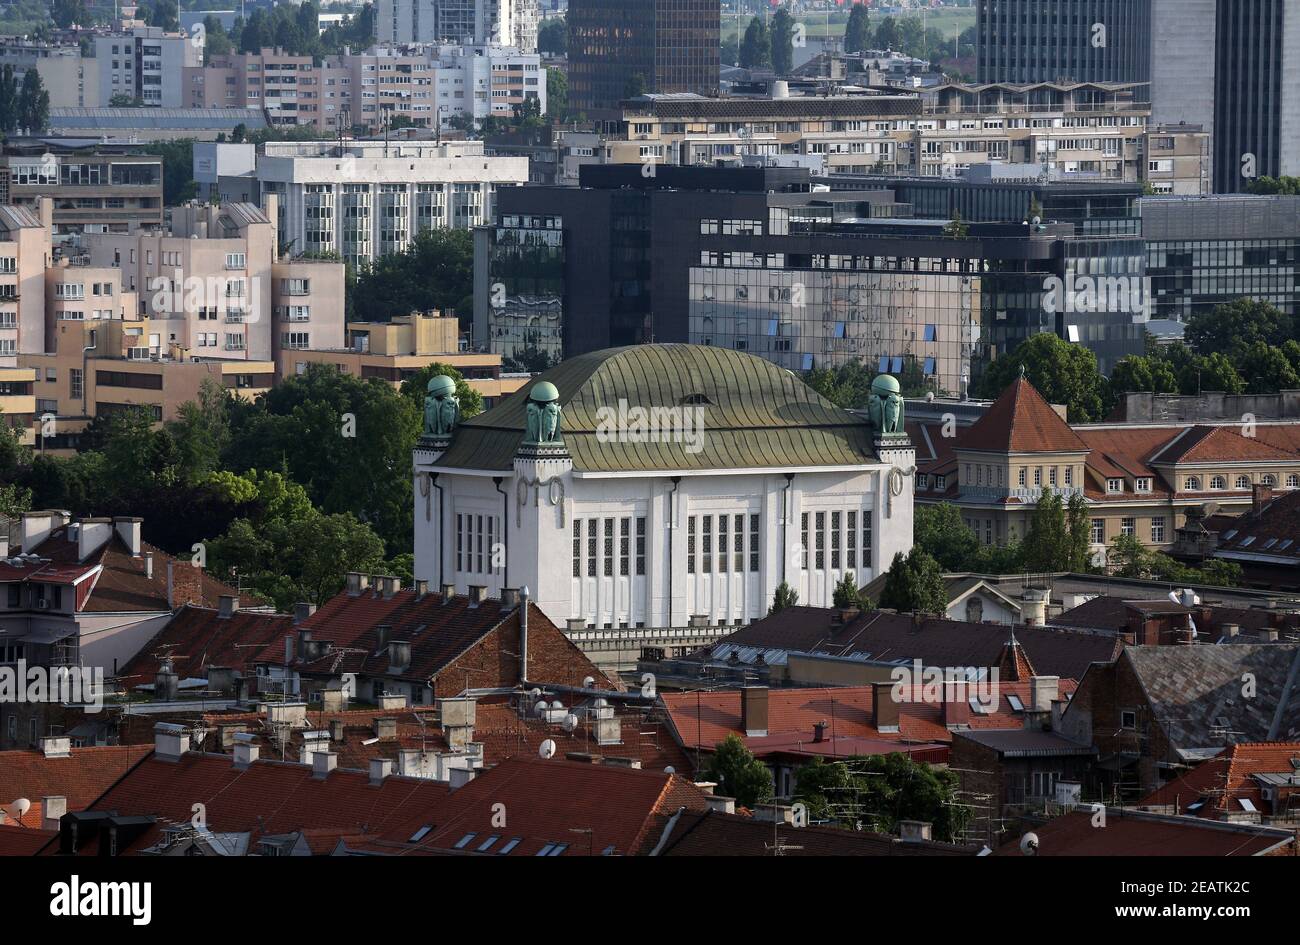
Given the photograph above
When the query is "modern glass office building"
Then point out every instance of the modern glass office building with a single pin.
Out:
(1047, 40)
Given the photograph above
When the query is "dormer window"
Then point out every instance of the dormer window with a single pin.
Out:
(922, 481)
(1243, 482)
(941, 483)
(1142, 485)
(1218, 482)
(1192, 484)
(1114, 485)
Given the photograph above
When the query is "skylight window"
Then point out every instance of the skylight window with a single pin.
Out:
(1247, 805)
(509, 845)
(464, 841)
(1016, 704)
(1228, 535)
(420, 834)
(486, 844)
(1248, 540)
(1285, 544)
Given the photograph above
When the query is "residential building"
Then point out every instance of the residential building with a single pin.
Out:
(144, 64)
(60, 775)
(1158, 710)
(1263, 541)
(665, 528)
(1046, 40)
(71, 78)
(24, 255)
(1249, 783)
(95, 189)
(398, 349)
(18, 400)
(286, 87)
(88, 594)
(371, 198)
(617, 50)
(510, 22)
(1141, 480)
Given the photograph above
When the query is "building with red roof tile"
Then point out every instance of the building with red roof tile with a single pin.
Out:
(1250, 782)
(1135, 833)
(87, 593)
(69, 778)
(1138, 479)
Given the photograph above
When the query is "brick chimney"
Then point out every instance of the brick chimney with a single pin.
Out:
(1260, 496)
(753, 710)
(884, 710)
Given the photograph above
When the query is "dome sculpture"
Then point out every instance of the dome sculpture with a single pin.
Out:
(441, 407)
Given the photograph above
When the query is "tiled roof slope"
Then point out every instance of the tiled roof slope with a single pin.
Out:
(1215, 444)
(1021, 421)
(1218, 786)
(752, 413)
(198, 638)
(878, 635)
(1130, 833)
(81, 777)
(1189, 687)
(712, 833)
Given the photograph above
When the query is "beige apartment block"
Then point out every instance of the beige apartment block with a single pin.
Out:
(396, 350)
(95, 190)
(18, 400)
(24, 255)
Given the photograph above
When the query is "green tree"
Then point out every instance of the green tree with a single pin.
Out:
(785, 596)
(178, 170)
(436, 271)
(782, 42)
(955, 228)
(1149, 374)
(1058, 538)
(8, 100)
(69, 12)
(33, 103)
(1063, 373)
(216, 42)
(877, 792)
(857, 34)
(635, 86)
(1236, 326)
(887, 34)
(848, 595)
(201, 431)
(756, 50)
(738, 773)
(914, 584)
(1266, 369)
(939, 531)
(553, 38)
(557, 94)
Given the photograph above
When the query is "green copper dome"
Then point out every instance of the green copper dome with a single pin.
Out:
(440, 385)
(885, 384)
(544, 392)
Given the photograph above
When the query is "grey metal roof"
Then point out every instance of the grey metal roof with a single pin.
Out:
(160, 118)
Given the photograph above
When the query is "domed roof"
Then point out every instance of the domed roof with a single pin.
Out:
(441, 385)
(752, 414)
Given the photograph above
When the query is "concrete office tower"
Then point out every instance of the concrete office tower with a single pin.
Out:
(655, 45)
(510, 22)
(1231, 66)
(1047, 40)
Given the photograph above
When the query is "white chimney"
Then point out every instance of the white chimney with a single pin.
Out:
(93, 535)
(459, 777)
(170, 741)
(128, 529)
(1043, 691)
(148, 566)
(52, 810)
(323, 762)
(246, 749)
(227, 605)
(56, 746)
(380, 768)
(914, 831)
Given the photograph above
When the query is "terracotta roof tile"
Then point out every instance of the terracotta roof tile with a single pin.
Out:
(198, 638)
(81, 777)
(1130, 833)
(1021, 421)
(1216, 788)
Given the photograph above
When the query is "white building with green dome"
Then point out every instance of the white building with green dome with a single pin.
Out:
(649, 485)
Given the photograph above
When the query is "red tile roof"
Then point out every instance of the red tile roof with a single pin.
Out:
(81, 777)
(1021, 421)
(590, 807)
(23, 841)
(1218, 786)
(197, 638)
(1130, 833)
(1216, 444)
(703, 719)
(1272, 533)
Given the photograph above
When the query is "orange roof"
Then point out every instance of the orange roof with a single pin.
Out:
(1214, 444)
(1021, 421)
(81, 777)
(1215, 788)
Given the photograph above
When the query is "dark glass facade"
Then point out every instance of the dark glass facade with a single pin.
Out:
(660, 46)
(1249, 73)
(526, 286)
(1046, 40)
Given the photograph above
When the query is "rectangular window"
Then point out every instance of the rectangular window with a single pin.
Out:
(706, 544)
(866, 538)
(592, 524)
(820, 538)
(803, 542)
(753, 543)
(609, 548)
(835, 541)
(1127, 526)
(738, 548)
(1157, 531)
(1098, 531)
(478, 535)
(722, 544)
(577, 547)
(460, 543)
(690, 545)
(640, 545)
(851, 537)
(624, 546)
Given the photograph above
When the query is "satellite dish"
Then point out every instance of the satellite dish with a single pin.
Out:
(588, 682)
(929, 397)
(601, 703)
(670, 770)
(540, 708)
(534, 691)
(546, 749)
(570, 722)
(20, 807)
(1029, 844)
(557, 704)
(1038, 221)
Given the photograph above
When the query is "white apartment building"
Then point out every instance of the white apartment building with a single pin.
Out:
(510, 22)
(145, 63)
(369, 198)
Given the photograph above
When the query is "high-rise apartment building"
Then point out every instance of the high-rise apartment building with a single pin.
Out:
(509, 22)
(1049, 40)
(619, 49)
